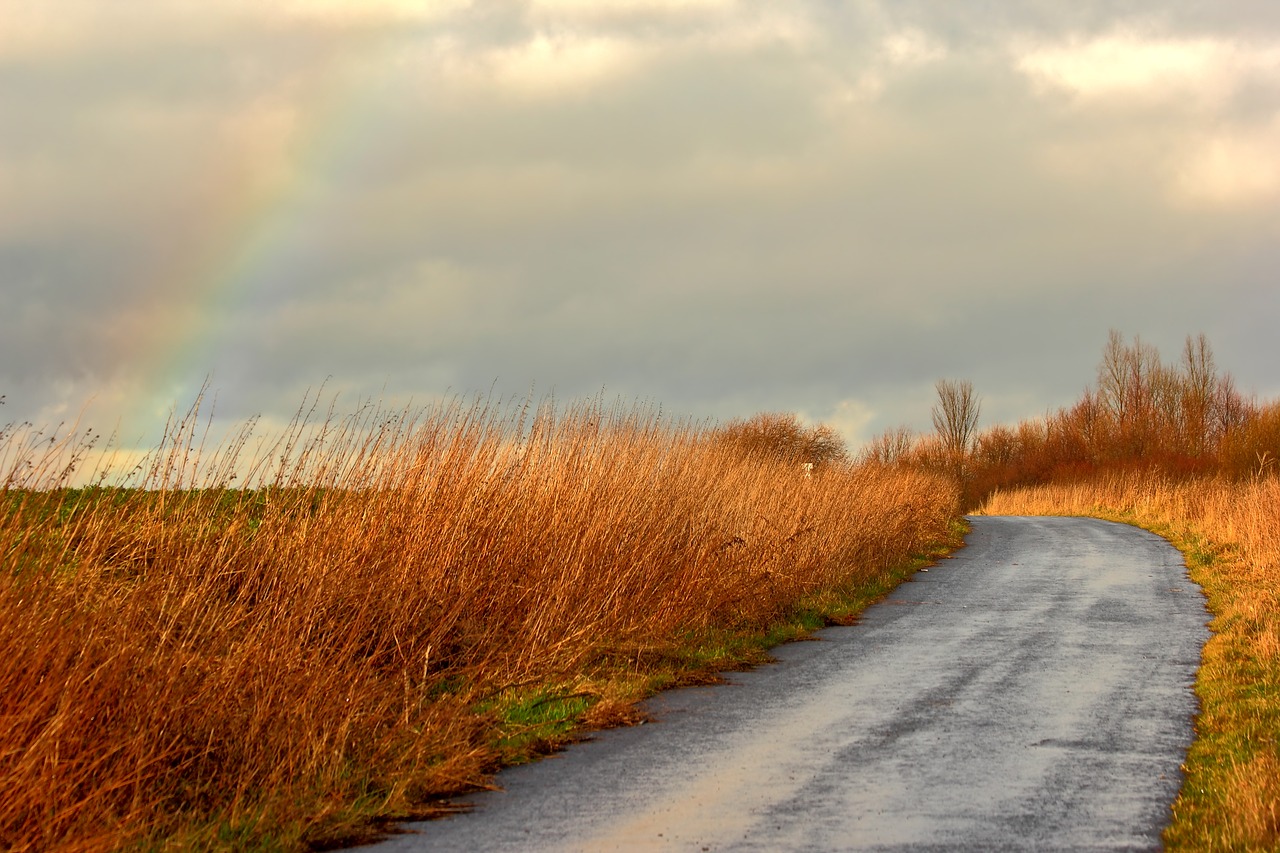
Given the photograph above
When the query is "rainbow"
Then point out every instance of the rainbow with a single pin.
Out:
(221, 267)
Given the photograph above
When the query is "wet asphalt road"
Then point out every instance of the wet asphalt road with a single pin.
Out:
(1031, 693)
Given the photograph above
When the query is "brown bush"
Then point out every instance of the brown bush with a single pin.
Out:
(783, 438)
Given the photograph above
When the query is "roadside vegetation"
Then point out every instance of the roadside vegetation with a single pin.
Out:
(1178, 449)
(279, 642)
(274, 643)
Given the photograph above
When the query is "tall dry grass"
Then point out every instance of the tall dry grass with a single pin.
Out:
(1230, 532)
(262, 644)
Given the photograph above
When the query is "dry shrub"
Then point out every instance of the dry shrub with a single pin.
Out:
(781, 437)
(187, 664)
(1230, 532)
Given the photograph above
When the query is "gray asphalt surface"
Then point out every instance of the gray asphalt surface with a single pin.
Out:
(1031, 693)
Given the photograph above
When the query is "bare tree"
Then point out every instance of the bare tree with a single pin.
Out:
(1127, 377)
(891, 447)
(955, 415)
(1138, 393)
(1199, 386)
(1232, 410)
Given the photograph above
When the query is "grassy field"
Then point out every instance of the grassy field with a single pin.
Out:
(274, 644)
(1229, 531)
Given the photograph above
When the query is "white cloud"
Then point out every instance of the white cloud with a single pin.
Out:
(782, 26)
(1125, 64)
(575, 47)
(556, 64)
(864, 80)
(618, 8)
(912, 47)
(1187, 107)
(48, 29)
(346, 10)
(852, 419)
(1130, 65)
(68, 27)
(1232, 167)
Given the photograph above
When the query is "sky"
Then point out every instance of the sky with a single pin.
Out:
(719, 207)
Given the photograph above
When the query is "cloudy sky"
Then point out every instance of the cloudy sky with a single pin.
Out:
(720, 206)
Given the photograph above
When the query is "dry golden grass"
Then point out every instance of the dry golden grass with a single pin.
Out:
(185, 664)
(1230, 533)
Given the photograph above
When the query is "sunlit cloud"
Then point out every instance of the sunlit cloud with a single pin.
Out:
(1233, 167)
(603, 9)
(560, 64)
(852, 419)
(1203, 129)
(68, 28)
(863, 79)
(912, 47)
(572, 47)
(346, 10)
(1133, 65)
(1128, 65)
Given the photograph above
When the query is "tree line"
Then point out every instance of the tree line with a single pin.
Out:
(1182, 418)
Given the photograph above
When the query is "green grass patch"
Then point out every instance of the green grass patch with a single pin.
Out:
(535, 721)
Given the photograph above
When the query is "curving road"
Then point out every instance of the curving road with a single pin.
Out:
(1033, 692)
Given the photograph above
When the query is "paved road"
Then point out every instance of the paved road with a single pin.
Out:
(1033, 692)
